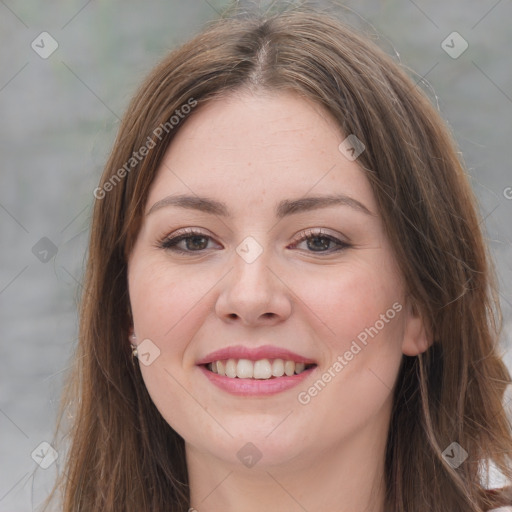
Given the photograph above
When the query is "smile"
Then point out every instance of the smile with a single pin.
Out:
(262, 369)
(255, 371)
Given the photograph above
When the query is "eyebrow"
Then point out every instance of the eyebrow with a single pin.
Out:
(283, 209)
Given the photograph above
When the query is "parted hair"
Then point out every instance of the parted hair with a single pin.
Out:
(122, 455)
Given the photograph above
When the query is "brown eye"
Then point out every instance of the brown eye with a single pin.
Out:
(320, 242)
(194, 241)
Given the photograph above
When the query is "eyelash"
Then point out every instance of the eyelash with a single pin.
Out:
(170, 243)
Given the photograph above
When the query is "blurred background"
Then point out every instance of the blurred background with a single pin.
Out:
(67, 71)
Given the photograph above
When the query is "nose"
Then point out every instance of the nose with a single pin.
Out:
(254, 293)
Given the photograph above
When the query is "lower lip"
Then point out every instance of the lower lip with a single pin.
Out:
(256, 387)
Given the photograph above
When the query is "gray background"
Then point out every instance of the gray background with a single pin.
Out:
(58, 119)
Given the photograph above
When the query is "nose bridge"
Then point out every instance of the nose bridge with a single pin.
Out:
(252, 291)
(252, 275)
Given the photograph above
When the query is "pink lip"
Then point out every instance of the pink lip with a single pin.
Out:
(255, 387)
(254, 354)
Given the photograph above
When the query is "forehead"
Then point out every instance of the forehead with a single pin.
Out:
(268, 146)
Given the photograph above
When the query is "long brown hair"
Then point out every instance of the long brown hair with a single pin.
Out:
(122, 453)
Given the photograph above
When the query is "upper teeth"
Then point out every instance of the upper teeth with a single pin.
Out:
(261, 369)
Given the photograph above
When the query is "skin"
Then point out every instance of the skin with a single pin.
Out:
(251, 150)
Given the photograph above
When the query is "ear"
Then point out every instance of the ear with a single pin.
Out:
(416, 338)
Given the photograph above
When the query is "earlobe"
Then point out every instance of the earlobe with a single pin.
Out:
(416, 338)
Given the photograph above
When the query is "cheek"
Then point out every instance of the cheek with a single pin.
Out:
(162, 297)
(362, 309)
(352, 300)
(165, 306)
(360, 316)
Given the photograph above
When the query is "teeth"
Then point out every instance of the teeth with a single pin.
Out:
(262, 369)
(278, 368)
(230, 368)
(244, 369)
(289, 368)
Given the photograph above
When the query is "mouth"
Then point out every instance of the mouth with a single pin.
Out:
(261, 369)
(255, 371)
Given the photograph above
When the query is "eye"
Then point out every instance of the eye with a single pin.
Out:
(195, 241)
(318, 241)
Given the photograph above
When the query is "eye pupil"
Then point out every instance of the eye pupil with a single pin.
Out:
(324, 245)
(191, 245)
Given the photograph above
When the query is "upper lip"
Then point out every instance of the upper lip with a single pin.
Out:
(254, 354)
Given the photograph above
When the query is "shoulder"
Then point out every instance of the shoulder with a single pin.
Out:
(501, 499)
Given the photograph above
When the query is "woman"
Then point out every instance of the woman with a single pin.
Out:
(288, 302)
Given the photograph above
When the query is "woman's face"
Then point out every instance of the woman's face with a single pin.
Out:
(275, 278)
